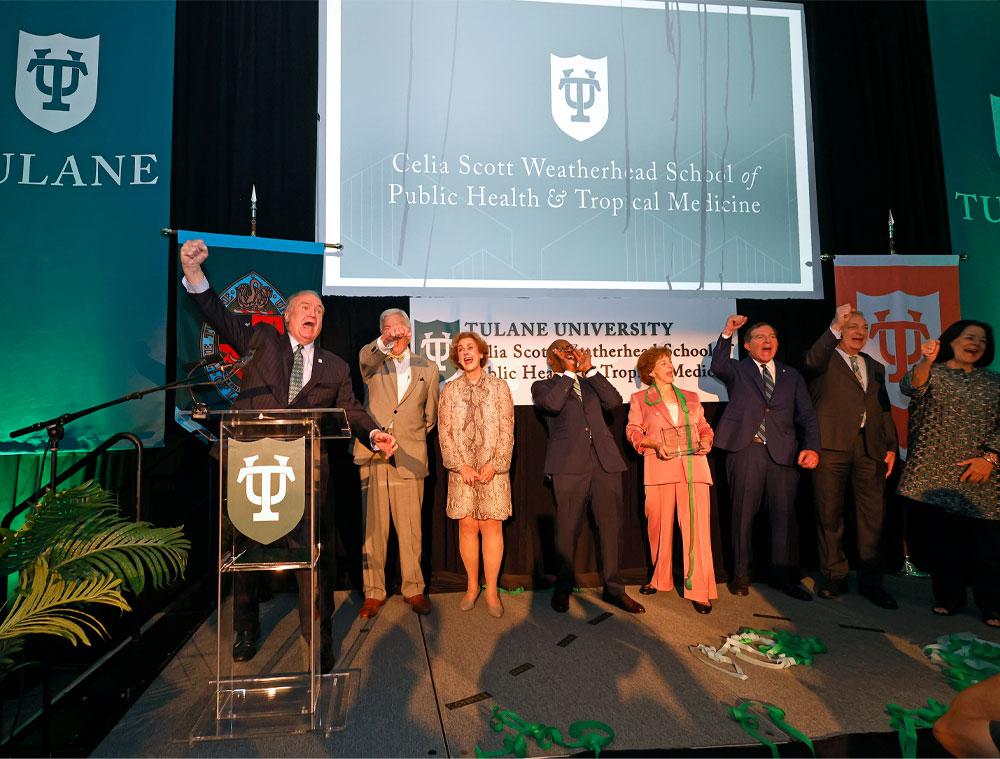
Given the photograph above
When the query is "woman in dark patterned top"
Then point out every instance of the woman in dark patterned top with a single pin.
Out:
(954, 440)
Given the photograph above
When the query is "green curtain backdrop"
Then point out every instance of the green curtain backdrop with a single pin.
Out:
(966, 60)
(84, 191)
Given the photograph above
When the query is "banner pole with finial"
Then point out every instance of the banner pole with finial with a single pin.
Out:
(892, 234)
(253, 210)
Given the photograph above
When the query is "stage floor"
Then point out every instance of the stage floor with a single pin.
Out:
(634, 673)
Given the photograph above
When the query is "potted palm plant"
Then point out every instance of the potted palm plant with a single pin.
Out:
(75, 551)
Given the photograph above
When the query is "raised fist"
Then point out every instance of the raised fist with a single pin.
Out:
(193, 253)
(733, 324)
(929, 350)
(841, 316)
(395, 335)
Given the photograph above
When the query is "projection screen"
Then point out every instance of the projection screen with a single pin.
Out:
(561, 147)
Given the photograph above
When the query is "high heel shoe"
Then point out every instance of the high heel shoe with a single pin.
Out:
(466, 603)
(647, 589)
(496, 611)
(702, 608)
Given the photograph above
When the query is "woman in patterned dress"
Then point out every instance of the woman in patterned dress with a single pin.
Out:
(476, 432)
(954, 441)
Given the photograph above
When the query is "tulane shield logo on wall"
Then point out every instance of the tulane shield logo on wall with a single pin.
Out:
(432, 340)
(579, 95)
(56, 85)
(266, 492)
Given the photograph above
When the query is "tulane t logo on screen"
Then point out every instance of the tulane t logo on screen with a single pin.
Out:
(56, 85)
(579, 95)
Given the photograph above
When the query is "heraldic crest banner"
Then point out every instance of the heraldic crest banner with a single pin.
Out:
(906, 300)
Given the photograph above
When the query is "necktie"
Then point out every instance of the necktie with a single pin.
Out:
(576, 387)
(857, 370)
(768, 392)
(857, 373)
(295, 380)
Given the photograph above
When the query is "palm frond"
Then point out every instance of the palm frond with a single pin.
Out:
(9, 649)
(127, 550)
(75, 512)
(44, 605)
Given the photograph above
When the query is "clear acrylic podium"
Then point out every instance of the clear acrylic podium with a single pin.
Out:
(269, 522)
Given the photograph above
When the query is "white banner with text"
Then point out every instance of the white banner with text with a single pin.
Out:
(615, 330)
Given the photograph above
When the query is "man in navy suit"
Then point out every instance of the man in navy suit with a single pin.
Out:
(859, 448)
(324, 381)
(768, 428)
(585, 464)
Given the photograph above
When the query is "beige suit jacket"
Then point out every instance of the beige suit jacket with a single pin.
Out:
(410, 419)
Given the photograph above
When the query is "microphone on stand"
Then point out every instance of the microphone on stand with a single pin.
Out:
(242, 361)
(211, 358)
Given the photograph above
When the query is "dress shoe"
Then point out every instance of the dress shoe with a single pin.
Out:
(879, 597)
(560, 602)
(702, 608)
(624, 602)
(647, 589)
(245, 644)
(370, 607)
(795, 590)
(739, 586)
(833, 588)
(419, 603)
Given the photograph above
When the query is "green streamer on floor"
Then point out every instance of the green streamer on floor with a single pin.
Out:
(586, 735)
(743, 715)
(906, 722)
(514, 592)
(792, 646)
(965, 659)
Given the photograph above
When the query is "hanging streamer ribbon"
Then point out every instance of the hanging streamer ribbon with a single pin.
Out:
(587, 735)
(907, 721)
(747, 714)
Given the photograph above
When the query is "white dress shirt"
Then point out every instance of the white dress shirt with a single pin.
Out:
(404, 373)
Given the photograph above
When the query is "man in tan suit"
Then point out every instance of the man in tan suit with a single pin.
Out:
(401, 395)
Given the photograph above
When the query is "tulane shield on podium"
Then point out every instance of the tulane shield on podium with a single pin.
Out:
(267, 487)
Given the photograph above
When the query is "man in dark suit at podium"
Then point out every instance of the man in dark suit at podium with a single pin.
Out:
(768, 428)
(859, 448)
(585, 464)
(286, 371)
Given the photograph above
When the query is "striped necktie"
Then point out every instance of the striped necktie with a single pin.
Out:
(576, 387)
(768, 392)
(861, 380)
(295, 380)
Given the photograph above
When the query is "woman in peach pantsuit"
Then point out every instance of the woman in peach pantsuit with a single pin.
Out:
(667, 426)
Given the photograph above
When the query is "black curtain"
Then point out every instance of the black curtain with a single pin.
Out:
(245, 112)
(245, 83)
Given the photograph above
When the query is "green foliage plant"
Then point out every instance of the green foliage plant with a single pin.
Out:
(75, 550)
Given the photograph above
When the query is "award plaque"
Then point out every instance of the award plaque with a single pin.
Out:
(676, 441)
